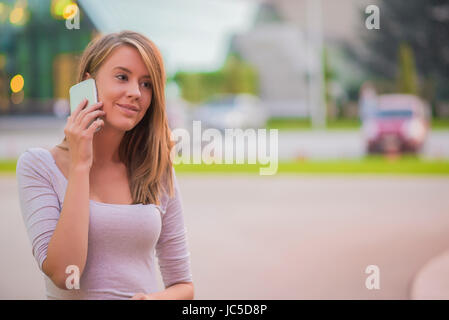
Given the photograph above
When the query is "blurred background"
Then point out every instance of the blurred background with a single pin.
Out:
(361, 101)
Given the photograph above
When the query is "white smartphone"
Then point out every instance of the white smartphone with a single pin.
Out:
(84, 90)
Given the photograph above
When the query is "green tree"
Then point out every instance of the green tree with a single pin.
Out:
(328, 76)
(239, 77)
(236, 76)
(424, 26)
(407, 80)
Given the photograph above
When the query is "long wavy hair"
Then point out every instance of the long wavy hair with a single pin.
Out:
(145, 149)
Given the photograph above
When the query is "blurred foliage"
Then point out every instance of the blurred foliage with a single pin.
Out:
(306, 124)
(236, 76)
(347, 123)
(8, 165)
(407, 77)
(329, 75)
(440, 124)
(389, 165)
(393, 164)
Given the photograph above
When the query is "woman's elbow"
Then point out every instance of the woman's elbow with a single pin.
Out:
(66, 279)
(59, 282)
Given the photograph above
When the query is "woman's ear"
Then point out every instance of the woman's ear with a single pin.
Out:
(87, 76)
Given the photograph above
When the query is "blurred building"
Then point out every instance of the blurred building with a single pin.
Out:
(342, 19)
(277, 45)
(276, 49)
(36, 47)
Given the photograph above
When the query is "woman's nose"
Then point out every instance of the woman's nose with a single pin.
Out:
(134, 90)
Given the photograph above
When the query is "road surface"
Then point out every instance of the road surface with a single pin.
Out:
(281, 237)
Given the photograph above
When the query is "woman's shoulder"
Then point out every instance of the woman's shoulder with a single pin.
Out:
(34, 153)
(37, 159)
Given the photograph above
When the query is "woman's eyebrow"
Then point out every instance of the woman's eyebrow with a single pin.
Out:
(129, 71)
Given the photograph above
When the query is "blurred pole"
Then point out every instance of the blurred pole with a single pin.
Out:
(317, 104)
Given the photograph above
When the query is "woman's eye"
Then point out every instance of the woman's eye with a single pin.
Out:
(121, 77)
(147, 84)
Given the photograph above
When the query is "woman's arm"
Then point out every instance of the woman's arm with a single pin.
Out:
(58, 236)
(68, 245)
(172, 250)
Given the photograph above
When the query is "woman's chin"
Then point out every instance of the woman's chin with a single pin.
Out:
(120, 125)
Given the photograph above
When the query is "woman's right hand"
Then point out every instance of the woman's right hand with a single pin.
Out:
(79, 137)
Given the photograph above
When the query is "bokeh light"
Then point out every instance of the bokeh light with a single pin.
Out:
(70, 11)
(19, 15)
(58, 8)
(17, 83)
(16, 15)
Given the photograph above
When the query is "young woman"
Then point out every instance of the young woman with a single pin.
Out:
(99, 206)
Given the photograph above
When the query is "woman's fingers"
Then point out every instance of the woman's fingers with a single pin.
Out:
(85, 117)
(87, 110)
(90, 116)
(93, 127)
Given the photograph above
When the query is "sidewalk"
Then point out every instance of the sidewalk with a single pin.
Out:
(297, 237)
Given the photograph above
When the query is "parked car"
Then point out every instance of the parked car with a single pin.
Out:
(232, 111)
(400, 123)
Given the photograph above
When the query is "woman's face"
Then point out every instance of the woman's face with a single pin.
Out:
(123, 81)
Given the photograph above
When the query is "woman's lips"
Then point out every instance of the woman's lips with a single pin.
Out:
(127, 110)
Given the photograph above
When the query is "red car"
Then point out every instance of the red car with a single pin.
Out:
(400, 123)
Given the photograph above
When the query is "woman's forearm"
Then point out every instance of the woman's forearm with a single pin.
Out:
(69, 242)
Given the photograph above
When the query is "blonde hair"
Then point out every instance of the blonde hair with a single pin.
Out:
(145, 150)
